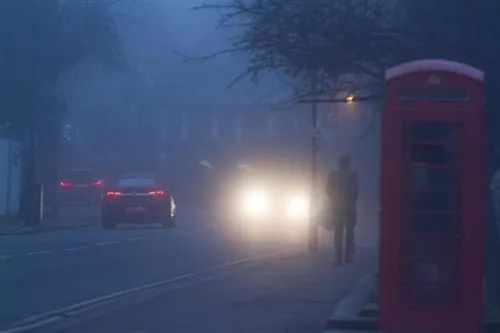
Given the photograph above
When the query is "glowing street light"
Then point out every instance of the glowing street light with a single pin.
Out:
(349, 99)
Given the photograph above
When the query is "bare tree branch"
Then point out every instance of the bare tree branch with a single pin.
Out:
(294, 38)
(44, 39)
(369, 126)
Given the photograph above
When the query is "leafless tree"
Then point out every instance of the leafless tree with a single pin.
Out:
(342, 40)
(39, 40)
(332, 39)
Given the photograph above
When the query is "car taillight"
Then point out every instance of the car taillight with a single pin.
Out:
(65, 184)
(113, 194)
(157, 193)
(96, 183)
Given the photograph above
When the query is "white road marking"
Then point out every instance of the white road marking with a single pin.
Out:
(132, 239)
(36, 253)
(40, 320)
(76, 248)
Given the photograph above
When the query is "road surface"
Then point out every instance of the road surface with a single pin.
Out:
(44, 272)
(289, 293)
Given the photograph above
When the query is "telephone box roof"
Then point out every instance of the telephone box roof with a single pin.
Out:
(434, 65)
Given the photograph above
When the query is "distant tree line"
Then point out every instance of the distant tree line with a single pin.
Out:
(39, 41)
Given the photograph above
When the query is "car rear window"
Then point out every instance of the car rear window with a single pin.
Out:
(135, 182)
(80, 176)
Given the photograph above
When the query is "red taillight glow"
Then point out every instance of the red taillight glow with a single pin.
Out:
(113, 194)
(96, 183)
(157, 193)
(65, 184)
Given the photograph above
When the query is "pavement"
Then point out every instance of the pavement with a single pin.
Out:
(215, 281)
(70, 217)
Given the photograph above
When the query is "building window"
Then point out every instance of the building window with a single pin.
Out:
(215, 127)
(184, 127)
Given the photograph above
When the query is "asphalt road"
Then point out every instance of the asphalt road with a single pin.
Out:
(45, 272)
(288, 293)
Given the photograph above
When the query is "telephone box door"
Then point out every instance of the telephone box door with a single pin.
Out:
(431, 212)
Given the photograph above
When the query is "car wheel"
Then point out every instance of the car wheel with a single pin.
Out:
(108, 223)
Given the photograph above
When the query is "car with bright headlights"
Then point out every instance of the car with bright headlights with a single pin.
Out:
(267, 200)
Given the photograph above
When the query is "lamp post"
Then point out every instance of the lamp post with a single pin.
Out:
(314, 202)
(315, 139)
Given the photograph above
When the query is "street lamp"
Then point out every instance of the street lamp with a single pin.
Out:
(315, 138)
(349, 99)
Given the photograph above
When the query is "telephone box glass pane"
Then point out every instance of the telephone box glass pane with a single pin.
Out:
(417, 271)
(431, 283)
(431, 223)
(436, 200)
(433, 154)
(431, 247)
(427, 178)
(430, 294)
(431, 131)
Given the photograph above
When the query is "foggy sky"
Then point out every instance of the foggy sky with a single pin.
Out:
(152, 30)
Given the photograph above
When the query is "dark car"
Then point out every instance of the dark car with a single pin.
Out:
(137, 198)
(80, 185)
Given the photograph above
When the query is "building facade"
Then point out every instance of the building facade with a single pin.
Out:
(213, 131)
(228, 135)
(225, 136)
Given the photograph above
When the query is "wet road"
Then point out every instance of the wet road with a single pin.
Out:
(45, 272)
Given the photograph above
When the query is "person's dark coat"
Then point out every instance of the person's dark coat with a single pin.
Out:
(343, 189)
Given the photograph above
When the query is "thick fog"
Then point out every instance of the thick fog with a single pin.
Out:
(156, 34)
(159, 83)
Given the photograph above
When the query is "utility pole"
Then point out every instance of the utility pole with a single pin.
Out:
(32, 195)
(314, 200)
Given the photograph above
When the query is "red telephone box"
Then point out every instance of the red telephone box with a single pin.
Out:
(430, 268)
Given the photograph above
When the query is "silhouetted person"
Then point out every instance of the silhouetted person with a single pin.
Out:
(343, 189)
